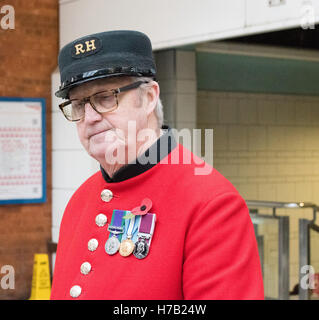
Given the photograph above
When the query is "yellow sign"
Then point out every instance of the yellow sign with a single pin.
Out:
(41, 284)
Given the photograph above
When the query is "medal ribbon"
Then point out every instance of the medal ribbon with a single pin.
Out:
(147, 225)
(117, 221)
(131, 226)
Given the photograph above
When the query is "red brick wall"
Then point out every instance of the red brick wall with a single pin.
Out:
(28, 56)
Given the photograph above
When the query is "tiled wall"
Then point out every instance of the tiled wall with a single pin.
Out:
(176, 74)
(268, 147)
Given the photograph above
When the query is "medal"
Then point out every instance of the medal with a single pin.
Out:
(116, 229)
(112, 245)
(141, 249)
(127, 245)
(145, 232)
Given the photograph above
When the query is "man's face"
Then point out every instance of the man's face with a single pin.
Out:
(97, 132)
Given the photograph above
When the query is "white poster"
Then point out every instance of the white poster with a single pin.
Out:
(22, 150)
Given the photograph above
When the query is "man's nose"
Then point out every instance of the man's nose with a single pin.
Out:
(90, 115)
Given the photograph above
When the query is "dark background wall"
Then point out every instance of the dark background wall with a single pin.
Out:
(28, 56)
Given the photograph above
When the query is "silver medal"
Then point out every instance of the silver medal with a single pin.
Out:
(141, 249)
(112, 245)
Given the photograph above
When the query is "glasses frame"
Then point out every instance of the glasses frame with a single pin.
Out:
(115, 92)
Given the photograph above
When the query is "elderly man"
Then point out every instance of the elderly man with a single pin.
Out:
(145, 226)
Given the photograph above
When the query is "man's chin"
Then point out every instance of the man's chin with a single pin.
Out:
(97, 152)
(106, 155)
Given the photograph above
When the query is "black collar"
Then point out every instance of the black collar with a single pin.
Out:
(153, 155)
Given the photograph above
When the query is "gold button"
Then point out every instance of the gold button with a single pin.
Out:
(93, 244)
(106, 195)
(101, 220)
(85, 268)
(75, 291)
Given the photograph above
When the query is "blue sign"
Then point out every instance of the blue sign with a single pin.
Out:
(22, 150)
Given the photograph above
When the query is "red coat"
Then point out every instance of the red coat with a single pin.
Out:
(203, 246)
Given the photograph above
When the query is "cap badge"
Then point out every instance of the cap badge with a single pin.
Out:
(87, 47)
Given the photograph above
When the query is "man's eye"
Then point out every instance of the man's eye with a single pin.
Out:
(104, 100)
(106, 97)
(78, 104)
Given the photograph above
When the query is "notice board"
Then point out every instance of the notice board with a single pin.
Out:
(22, 150)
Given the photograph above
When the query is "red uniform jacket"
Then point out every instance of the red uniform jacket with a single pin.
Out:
(203, 246)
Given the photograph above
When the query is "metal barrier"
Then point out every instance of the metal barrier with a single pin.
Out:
(283, 237)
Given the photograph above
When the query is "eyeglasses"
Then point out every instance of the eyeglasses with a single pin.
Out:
(101, 102)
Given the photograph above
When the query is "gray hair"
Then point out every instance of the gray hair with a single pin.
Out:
(159, 106)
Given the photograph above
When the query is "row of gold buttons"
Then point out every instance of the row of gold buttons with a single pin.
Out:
(100, 220)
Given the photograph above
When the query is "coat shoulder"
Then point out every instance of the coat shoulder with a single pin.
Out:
(202, 178)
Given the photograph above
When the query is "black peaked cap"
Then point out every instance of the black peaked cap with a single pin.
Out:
(105, 54)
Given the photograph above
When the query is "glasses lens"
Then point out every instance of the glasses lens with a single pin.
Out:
(76, 110)
(104, 101)
(73, 110)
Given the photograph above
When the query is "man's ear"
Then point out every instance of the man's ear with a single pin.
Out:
(151, 97)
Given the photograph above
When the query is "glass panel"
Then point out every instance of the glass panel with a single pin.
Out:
(266, 231)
